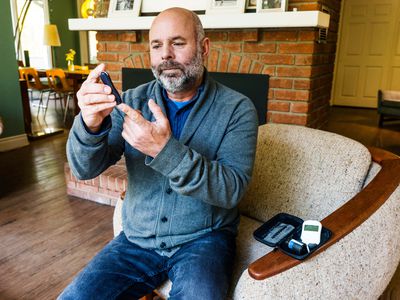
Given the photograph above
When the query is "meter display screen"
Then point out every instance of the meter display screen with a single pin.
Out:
(311, 228)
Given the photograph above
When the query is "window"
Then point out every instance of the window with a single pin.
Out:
(31, 36)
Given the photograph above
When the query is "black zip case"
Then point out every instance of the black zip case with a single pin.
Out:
(279, 230)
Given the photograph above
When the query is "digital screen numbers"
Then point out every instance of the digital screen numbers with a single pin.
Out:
(311, 228)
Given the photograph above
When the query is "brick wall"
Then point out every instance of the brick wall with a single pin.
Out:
(106, 188)
(300, 69)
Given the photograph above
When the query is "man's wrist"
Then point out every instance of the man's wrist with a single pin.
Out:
(160, 147)
(97, 130)
(93, 129)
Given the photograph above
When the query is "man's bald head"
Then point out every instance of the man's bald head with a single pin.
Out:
(178, 49)
(189, 17)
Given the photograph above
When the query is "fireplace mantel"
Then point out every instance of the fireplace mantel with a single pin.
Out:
(287, 19)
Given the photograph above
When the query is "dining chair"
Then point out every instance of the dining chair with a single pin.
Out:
(34, 84)
(59, 84)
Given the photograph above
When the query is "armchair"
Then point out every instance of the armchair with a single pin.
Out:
(388, 105)
(317, 175)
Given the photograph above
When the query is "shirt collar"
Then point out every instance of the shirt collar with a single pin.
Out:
(181, 105)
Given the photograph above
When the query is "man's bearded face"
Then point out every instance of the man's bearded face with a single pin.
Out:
(177, 77)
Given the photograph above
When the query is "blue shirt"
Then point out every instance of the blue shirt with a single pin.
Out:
(177, 112)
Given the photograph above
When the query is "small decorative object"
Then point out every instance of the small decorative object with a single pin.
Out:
(124, 8)
(87, 9)
(69, 57)
(101, 9)
(251, 4)
(271, 5)
(225, 6)
(1, 126)
(152, 6)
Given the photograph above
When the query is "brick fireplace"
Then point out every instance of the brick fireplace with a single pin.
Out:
(300, 69)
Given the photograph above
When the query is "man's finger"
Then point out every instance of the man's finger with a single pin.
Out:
(95, 88)
(156, 110)
(97, 98)
(132, 114)
(95, 73)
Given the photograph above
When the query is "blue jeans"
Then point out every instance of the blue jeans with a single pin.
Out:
(200, 269)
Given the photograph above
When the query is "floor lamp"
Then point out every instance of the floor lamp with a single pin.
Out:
(51, 38)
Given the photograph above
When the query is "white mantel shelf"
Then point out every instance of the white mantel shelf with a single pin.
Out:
(285, 19)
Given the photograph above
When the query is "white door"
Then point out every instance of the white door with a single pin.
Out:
(368, 53)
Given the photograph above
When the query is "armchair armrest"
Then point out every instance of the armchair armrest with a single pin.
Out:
(345, 219)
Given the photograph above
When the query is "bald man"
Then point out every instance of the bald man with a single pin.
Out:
(189, 145)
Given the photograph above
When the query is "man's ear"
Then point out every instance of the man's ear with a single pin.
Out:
(205, 45)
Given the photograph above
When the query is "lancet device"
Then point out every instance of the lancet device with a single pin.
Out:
(105, 77)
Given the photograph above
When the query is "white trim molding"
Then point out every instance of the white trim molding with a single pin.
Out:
(218, 21)
(13, 142)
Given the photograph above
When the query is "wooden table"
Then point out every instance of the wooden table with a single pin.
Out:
(77, 78)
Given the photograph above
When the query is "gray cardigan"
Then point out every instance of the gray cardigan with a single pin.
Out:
(193, 186)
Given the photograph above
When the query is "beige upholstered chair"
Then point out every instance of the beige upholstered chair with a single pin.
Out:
(317, 175)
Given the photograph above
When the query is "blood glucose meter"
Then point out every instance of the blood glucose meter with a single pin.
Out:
(311, 232)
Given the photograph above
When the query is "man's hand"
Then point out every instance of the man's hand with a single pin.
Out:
(147, 137)
(95, 100)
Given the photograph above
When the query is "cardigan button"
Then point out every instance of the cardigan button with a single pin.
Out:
(168, 190)
(163, 245)
(164, 219)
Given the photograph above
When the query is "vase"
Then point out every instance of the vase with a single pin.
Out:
(87, 9)
(71, 66)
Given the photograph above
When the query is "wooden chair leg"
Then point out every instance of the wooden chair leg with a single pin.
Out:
(380, 120)
(66, 106)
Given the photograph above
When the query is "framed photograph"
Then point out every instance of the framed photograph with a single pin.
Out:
(225, 6)
(124, 8)
(251, 4)
(271, 5)
(153, 6)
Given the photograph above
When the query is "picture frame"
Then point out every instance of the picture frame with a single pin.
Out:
(152, 6)
(124, 8)
(251, 4)
(271, 5)
(225, 6)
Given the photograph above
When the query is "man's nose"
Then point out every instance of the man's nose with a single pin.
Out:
(167, 52)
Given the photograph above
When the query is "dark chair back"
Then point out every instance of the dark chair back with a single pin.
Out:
(254, 86)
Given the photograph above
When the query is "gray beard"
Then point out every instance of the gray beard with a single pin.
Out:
(190, 73)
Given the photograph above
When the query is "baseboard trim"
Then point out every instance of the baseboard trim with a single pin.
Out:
(13, 142)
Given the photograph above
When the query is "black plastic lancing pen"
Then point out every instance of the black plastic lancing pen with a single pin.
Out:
(107, 81)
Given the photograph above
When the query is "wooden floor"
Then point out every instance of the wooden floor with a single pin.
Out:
(46, 237)
(361, 125)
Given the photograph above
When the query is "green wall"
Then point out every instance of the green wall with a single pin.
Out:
(60, 12)
(10, 95)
